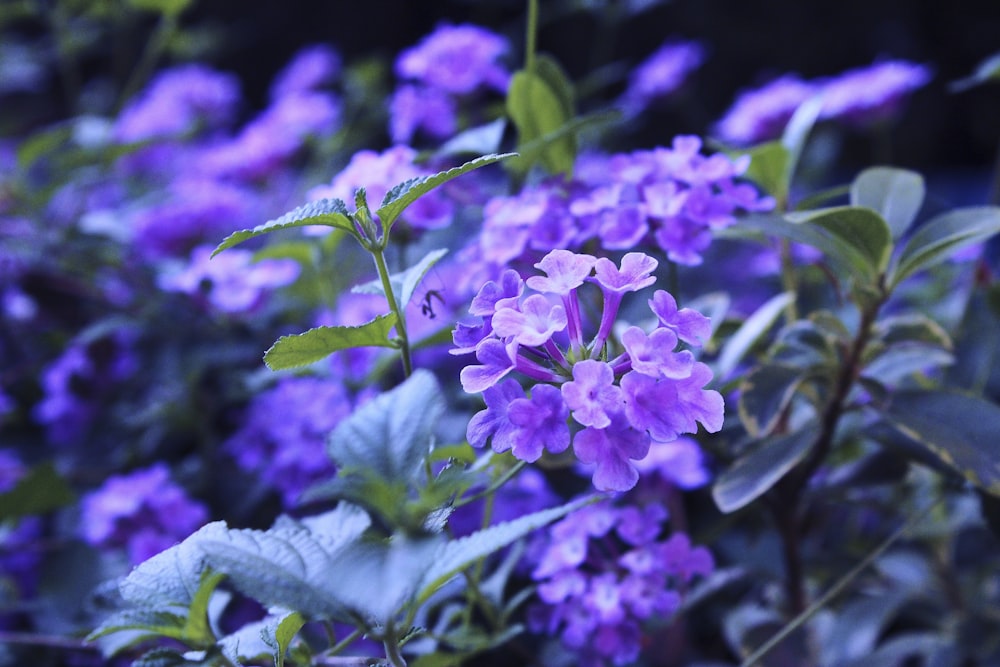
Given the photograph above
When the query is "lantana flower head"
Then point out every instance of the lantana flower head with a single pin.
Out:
(612, 399)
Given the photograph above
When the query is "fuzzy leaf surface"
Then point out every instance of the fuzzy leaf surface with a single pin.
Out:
(391, 434)
(398, 198)
(459, 554)
(310, 346)
(324, 212)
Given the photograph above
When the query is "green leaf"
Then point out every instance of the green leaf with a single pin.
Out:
(309, 347)
(859, 237)
(988, 70)
(404, 194)
(41, 144)
(539, 103)
(960, 430)
(902, 360)
(171, 579)
(40, 490)
(459, 554)
(283, 635)
(289, 565)
(944, 235)
(391, 434)
(324, 213)
(749, 333)
(796, 133)
(381, 576)
(404, 283)
(769, 165)
(751, 475)
(895, 194)
(165, 657)
(764, 395)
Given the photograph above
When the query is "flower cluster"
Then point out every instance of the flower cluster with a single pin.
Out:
(605, 570)
(620, 400)
(860, 96)
(283, 438)
(449, 65)
(80, 378)
(672, 198)
(232, 282)
(377, 173)
(143, 511)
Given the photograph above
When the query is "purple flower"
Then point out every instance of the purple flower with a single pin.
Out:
(493, 294)
(414, 108)
(533, 324)
(231, 282)
(495, 363)
(591, 394)
(456, 59)
(761, 114)
(143, 511)
(176, 101)
(311, 68)
(635, 274)
(541, 422)
(597, 588)
(679, 463)
(283, 437)
(494, 422)
(661, 74)
(266, 144)
(690, 326)
(565, 271)
(667, 408)
(653, 355)
(377, 173)
(193, 211)
(612, 450)
(870, 94)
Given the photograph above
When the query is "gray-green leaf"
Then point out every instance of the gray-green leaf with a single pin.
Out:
(896, 194)
(751, 475)
(944, 235)
(960, 430)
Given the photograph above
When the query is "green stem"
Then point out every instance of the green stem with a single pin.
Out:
(503, 479)
(401, 335)
(393, 654)
(789, 281)
(155, 46)
(836, 589)
(531, 36)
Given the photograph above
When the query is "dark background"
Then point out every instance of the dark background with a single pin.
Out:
(951, 137)
(747, 43)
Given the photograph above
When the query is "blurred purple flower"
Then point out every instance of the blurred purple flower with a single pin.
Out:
(413, 108)
(874, 93)
(283, 437)
(232, 282)
(378, 173)
(176, 102)
(266, 144)
(193, 211)
(761, 114)
(596, 590)
(143, 511)
(311, 68)
(661, 74)
(77, 382)
(456, 59)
